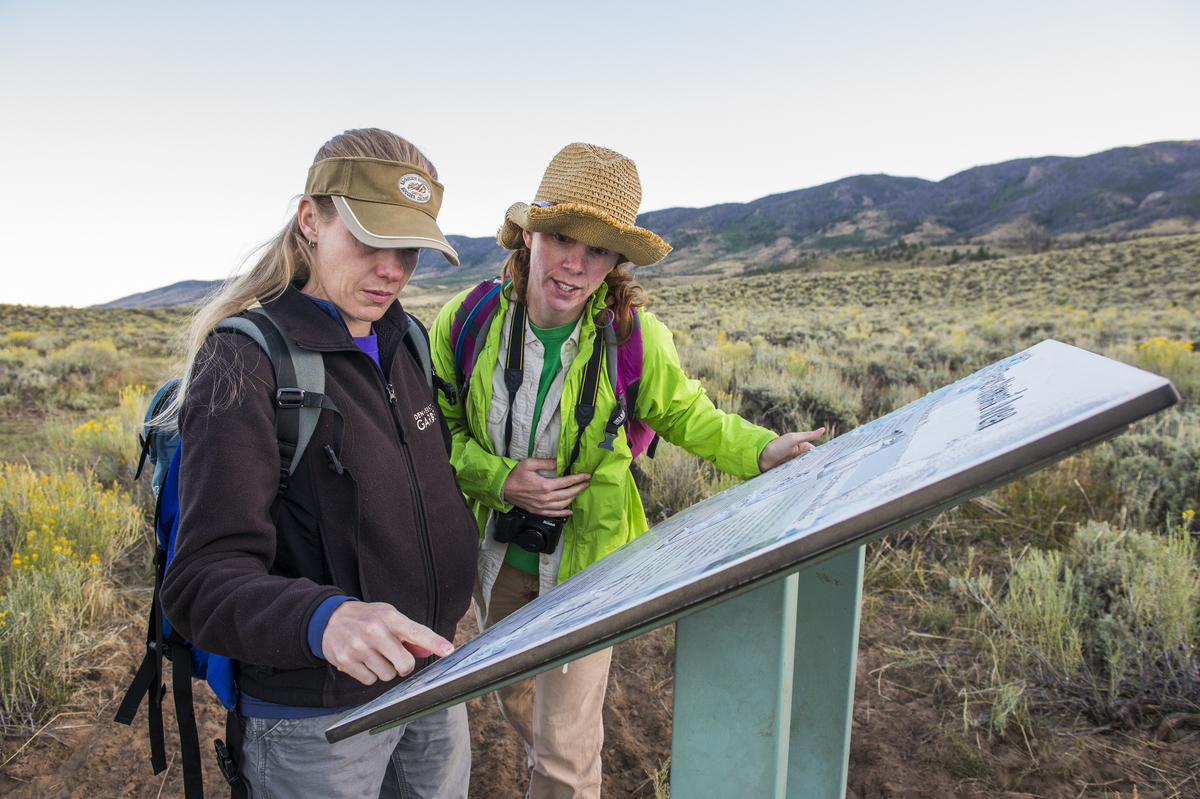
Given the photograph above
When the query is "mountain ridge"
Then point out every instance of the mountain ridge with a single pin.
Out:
(1148, 189)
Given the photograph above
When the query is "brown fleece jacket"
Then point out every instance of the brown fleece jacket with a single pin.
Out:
(392, 527)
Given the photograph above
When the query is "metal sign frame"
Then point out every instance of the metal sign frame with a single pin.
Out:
(802, 553)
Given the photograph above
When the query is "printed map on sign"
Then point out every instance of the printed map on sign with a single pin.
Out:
(1026, 410)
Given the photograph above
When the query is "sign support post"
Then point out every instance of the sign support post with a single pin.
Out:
(764, 688)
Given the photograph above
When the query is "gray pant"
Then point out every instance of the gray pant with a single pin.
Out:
(429, 758)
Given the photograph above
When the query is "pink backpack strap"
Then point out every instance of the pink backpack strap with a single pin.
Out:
(628, 380)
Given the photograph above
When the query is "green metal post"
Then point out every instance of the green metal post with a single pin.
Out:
(764, 688)
(830, 598)
(733, 696)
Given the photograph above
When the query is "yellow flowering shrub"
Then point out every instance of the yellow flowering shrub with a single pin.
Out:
(107, 446)
(51, 520)
(60, 534)
(1176, 360)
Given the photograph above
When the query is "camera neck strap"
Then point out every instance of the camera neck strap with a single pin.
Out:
(585, 407)
(514, 367)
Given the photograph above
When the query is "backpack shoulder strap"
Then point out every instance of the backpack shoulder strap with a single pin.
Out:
(472, 319)
(154, 432)
(585, 406)
(624, 366)
(300, 386)
(416, 338)
(629, 372)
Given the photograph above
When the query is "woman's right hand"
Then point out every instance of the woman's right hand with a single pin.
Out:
(373, 641)
(546, 496)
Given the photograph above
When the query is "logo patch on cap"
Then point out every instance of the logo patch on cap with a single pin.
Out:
(415, 188)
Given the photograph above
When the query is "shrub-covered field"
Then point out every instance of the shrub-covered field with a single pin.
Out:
(1066, 600)
(1076, 587)
(1071, 591)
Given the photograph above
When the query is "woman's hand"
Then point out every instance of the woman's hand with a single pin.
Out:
(547, 496)
(373, 641)
(783, 449)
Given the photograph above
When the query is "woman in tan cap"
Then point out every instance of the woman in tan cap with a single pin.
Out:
(327, 578)
(553, 495)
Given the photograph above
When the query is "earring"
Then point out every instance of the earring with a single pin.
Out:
(312, 245)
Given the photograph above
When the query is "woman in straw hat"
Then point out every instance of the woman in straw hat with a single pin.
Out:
(521, 457)
(361, 569)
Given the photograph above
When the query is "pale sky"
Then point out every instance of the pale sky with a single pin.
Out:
(154, 142)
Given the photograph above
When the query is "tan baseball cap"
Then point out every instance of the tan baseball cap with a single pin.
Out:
(385, 204)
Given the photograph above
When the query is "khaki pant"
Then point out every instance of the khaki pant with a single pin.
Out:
(559, 716)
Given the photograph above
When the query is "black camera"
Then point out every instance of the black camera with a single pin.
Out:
(531, 532)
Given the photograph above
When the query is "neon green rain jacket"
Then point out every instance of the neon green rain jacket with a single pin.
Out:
(609, 512)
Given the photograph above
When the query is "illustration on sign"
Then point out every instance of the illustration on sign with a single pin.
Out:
(1022, 412)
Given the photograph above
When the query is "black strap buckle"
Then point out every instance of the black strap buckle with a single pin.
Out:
(447, 389)
(289, 398)
(613, 428)
(227, 763)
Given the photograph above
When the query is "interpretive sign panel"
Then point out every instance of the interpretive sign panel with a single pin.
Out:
(1003, 421)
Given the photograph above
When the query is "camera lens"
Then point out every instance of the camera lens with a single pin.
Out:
(531, 540)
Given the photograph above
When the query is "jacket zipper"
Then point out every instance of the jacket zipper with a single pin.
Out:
(431, 592)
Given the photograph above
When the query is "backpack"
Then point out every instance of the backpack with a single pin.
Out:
(623, 362)
(300, 385)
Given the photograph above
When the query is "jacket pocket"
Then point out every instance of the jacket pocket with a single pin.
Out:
(298, 548)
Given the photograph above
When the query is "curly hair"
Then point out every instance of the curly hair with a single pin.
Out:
(624, 293)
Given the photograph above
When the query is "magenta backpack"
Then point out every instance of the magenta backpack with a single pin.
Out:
(623, 361)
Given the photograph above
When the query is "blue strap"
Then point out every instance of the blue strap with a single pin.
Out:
(168, 507)
(462, 334)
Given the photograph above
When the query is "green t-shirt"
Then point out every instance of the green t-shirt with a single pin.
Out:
(552, 340)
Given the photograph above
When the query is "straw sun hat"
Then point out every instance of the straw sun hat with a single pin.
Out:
(592, 195)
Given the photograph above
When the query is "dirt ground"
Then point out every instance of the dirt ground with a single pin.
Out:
(899, 746)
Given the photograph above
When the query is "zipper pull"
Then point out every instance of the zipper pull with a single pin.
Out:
(391, 395)
(335, 465)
